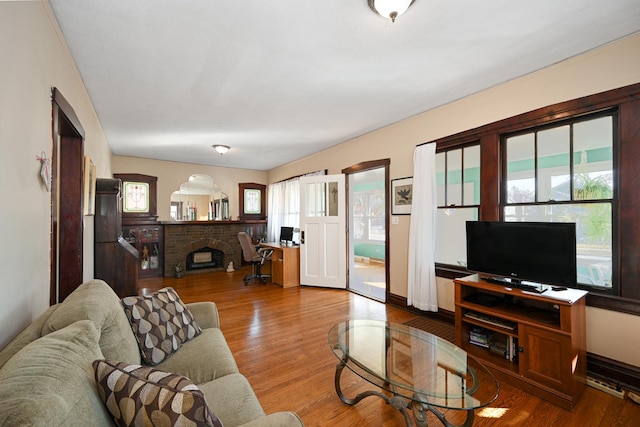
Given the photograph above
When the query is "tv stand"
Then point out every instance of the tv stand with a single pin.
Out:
(536, 342)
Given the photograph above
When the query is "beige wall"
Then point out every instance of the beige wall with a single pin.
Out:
(172, 174)
(615, 65)
(34, 59)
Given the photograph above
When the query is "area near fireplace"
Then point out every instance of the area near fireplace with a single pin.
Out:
(183, 240)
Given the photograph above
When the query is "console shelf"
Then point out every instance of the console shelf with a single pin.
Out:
(542, 334)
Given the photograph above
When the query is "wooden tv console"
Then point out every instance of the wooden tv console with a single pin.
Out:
(536, 342)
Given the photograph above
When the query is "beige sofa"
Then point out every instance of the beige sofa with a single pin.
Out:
(47, 378)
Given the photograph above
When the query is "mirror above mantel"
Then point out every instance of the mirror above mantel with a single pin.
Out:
(199, 199)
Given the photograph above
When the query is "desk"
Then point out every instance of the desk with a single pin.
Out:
(285, 264)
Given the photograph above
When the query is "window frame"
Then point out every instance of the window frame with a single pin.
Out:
(625, 101)
(613, 201)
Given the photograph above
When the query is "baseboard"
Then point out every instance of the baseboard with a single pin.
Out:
(442, 315)
(614, 372)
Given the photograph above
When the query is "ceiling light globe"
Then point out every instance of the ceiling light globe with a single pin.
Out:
(221, 148)
(390, 9)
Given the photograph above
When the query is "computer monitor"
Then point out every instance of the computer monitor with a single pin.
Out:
(286, 234)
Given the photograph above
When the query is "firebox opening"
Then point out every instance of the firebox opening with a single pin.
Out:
(205, 258)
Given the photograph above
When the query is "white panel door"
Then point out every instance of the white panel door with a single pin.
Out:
(323, 254)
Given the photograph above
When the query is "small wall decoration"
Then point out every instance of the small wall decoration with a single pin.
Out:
(401, 196)
(45, 170)
(89, 187)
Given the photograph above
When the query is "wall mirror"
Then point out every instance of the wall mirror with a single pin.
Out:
(199, 199)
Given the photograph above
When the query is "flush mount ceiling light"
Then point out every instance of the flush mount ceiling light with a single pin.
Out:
(390, 9)
(221, 148)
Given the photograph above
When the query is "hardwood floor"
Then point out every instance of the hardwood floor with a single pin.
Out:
(279, 340)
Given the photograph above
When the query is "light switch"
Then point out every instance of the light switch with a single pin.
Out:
(394, 220)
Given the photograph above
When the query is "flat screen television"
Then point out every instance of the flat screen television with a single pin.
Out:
(538, 252)
(286, 234)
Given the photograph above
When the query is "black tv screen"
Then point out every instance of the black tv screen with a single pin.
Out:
(540, 252)
(286, 234)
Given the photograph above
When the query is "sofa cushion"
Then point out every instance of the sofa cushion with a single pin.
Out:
(203, 359)
(50, 381)
(160, 322)
(95, 300)
(29, 334)
(232, 399)
(141, 396)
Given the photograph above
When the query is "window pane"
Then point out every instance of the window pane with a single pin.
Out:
(454, 177)
(553, 164)
(471, 175)
(440, 188)
(316, 199)
(593, 159)
(451, 241)
(520, 169)
(593, 234)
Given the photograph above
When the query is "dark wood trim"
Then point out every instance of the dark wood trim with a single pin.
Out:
(67, 230)
(69, 115)
(129, 218)
(263, 202)
(364, 166)
(401, 302)
(613, 371)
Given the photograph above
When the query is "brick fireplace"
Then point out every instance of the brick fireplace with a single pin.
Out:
(182, 239)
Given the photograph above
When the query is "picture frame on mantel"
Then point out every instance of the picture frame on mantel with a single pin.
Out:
(401, 196)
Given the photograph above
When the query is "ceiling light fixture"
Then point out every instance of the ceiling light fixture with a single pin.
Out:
(221, 148)
(390, 9)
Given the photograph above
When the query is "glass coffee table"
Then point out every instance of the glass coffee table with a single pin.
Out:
(419, 371)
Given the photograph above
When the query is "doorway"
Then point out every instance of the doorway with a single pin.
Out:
(66, 200)
(367, 245)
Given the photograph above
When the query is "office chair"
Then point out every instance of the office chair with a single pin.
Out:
(256, 257)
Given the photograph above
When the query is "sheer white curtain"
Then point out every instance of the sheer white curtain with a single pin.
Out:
(284, 207)
(422, 292)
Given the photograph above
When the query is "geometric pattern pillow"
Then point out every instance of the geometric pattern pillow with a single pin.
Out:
(143, 396)
(160, 322)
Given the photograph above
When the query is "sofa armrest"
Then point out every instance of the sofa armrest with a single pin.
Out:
(277, 419)
(205, 313)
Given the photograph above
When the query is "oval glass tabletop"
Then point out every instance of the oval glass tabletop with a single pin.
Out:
(413, 364)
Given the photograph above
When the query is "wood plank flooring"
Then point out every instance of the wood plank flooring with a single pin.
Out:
(279, 340)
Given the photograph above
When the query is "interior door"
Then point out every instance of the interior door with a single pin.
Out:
(323, 231)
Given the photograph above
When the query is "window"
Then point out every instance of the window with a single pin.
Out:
(458, 195)
(369, 213)
(564, 173)
(574, 161)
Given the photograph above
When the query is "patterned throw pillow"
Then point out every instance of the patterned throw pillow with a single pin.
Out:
(142, 396)
(161, 323)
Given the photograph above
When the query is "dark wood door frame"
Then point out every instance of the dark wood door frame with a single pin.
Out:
(361, 167)
(66, 261)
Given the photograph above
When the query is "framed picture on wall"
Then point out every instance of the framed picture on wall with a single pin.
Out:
(401, 196)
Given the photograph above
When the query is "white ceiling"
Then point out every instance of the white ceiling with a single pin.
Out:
(278, 80)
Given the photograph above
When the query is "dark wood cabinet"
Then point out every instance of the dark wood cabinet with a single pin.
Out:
(148, 240)
(536, 342)
(115, 260)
